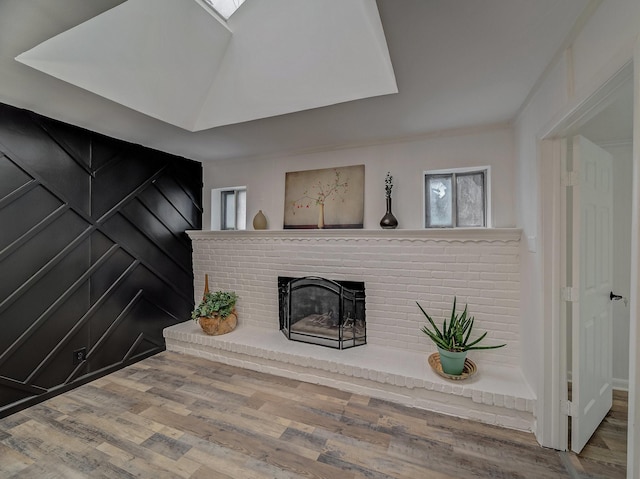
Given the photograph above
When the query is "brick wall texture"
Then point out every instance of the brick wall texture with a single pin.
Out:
(397, 271)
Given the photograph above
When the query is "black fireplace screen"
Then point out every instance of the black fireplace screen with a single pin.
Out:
(321, 311)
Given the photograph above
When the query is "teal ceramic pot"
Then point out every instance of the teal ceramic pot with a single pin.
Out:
(452, 362)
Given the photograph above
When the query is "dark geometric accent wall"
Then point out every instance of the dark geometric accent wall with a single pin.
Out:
(93, 253)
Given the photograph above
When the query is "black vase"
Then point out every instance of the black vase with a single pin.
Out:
(388, 221)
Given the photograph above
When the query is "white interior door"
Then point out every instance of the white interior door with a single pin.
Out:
(592, 274)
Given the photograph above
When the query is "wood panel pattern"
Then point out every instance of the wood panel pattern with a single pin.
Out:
(92, 250)
(178, 416)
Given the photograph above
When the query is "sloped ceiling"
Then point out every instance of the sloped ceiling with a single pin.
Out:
(457, 64)
(176, 61)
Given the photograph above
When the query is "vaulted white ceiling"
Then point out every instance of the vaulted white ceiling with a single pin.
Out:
(176, 61)
(457, 64)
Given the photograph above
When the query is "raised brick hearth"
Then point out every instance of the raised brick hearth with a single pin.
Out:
(398, 267)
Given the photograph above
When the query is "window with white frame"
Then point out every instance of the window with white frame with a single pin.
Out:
(229, 208)
(457, 198)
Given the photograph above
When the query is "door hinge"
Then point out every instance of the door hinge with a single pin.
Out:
(569, 294)
(570, 178)
(567, 408)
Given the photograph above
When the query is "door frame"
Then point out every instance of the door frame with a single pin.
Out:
(552, 428)
(633, 436)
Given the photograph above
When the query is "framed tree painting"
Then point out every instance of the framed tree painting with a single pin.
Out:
(326, 198)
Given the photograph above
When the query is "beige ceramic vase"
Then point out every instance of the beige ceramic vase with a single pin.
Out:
(259, 221)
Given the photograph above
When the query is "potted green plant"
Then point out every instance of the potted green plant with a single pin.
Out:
(454, 339)
(216, 312)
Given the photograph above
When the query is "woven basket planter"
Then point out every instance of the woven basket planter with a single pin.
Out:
(215, 325)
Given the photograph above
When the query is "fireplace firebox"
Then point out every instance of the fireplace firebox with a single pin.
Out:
(321, 311)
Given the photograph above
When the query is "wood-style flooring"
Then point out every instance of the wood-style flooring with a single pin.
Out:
(175, 416)
(605, 455)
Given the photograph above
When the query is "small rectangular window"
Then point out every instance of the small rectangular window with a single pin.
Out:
(456, 198)
(233, 203)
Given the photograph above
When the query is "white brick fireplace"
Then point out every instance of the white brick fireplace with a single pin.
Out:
(398, 267)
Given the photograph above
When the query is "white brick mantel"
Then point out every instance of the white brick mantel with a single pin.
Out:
(399, 267)
(472, 235)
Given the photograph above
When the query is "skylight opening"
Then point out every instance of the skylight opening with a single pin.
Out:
(224, 8)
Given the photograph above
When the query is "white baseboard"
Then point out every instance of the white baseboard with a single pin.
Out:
(621, 384)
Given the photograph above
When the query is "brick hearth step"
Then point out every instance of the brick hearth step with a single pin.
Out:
(494, 395)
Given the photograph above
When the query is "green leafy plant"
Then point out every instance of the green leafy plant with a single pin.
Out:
(455, 335)
(220, 303)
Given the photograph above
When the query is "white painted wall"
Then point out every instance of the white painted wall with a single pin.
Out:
(405, 160)
(528, 218)
(601, 48)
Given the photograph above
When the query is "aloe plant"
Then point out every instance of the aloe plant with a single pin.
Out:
(220, 303)
(455, 335)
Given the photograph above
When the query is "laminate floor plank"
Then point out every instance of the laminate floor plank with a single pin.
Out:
(13, 461)
(314, 418)
(221, 459)
(176, 416)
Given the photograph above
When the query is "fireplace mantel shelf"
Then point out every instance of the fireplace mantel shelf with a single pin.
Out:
(443, 234)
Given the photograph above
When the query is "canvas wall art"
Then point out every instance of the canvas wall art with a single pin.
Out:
(326, 198)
